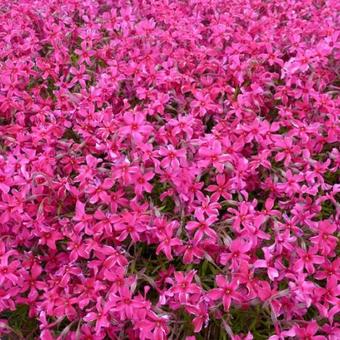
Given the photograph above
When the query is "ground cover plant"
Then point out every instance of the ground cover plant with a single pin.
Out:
(169, 169)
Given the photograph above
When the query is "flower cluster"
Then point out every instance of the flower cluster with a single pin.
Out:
(168, 169)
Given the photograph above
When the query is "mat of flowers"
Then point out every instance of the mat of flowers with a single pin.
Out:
(169, 169)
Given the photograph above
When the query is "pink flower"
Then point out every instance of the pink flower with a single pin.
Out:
(221, 188)
(8, 270)
(126, 305)
(309, 332)
(307, 259)
(105, 222)
(183, 286)
(269, 211)
(32, 283)
(151, 148)
(5, 182)
(283, 335)
(172, 157)
(85, 53)
(49, 237)
(202, 227)
(192, 252)
(207, 205)
(100, 316)
(136, 127)
(213, 155)
(268, 264)
(288, 149)
(291, 185)
(167, 241)
(183, 124)
(153, 327)
(78, 248)
(129, 226)
(124, 170)
(98, 190)
(80, 75)
(201, 316)
(328, 269)
(331, 292)
(243, 215)
(142, 184)
(325, 241)
(227, 291)
(202, 103)
(84, 221)
(238, 253)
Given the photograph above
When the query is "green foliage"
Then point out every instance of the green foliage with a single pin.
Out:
(257, 320)
(22, 326)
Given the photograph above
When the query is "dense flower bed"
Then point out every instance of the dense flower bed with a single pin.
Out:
(168, 169)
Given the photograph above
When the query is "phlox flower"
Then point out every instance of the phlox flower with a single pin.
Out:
(226, 291)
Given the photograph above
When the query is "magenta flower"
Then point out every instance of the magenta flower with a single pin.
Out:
(152, 149)
(172, 158)
(142, 182)
(331, 293)
(213, 155)
(105, 222)
(328, 269)
(221, 188)
(100, 316)
(98, 191)
(80, 76)
(49, 237)
(183, 124)
(153, 327)
(167, 242)
(283, 335)
(307, 259)
(125, 304)
(325, 241)
(8, 270)
(202, 228)
(32, 282)
(192, 252)
(207, 205)
(268, 264)
(85, 53)
(309, 332)
(78, 248)
(201, 316)
(237, 253)
(183, 286)
(5, 182)
(83, 220)
(129, 226)
(227, 291)
(287, 150)
(135, 126)
(242, 216)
